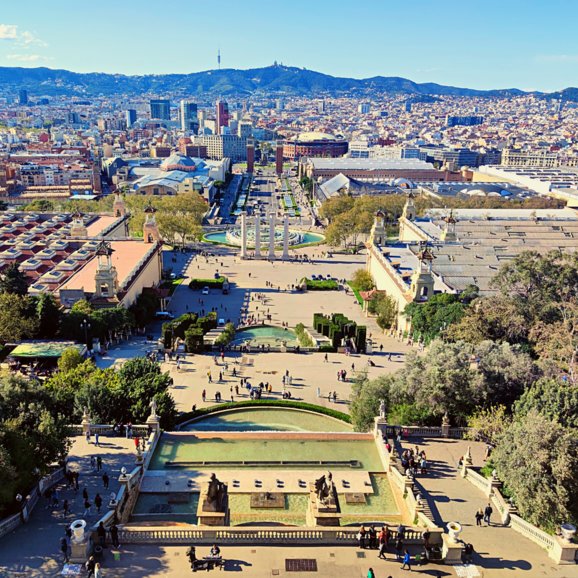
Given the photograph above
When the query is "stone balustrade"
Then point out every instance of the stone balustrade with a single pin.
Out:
(255, 536)
(531, 532)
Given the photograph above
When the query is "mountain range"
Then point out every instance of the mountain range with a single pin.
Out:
(270, 80)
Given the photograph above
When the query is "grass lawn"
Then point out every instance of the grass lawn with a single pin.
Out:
(356, 293)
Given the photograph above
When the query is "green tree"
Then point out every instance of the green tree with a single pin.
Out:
(366, 396)
(493, 318)
(17, 319)
(362, 280)
(48, 314)
(535, 458)
(70, 359)
(385, 308)
(429, 319)
(554, 399)
(488, 424)
(13, 281)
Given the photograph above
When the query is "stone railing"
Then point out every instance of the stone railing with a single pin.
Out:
(531, 532)
(253, 536)
(10, 523)
(398, 479)
(560, 551)
(478, 480)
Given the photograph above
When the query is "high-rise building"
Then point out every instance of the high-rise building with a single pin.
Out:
(408, 106)
(189, 119)
(364, 108)
(222, 115)
(23, 96)
(130, 117)
(160, 109)
(245, 129)
(322, 106)
(279, 104)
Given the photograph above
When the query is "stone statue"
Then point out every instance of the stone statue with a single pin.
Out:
(382, 409)
(325, 488)
(153, 406)
(215, 489)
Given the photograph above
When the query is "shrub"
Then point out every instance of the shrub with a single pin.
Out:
(303, 336)
(184, 417)
(322, 285)
(211, 283)
(194, 340)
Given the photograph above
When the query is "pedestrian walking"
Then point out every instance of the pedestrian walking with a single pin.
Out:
(86, 508)
(114, 536)
(370, 573)
(101, 533)
(479, 517)
(64, 548)
(97, 571)
(96, 439)
(98, 463)
(98, 502)
(406, 561)
(105, 480)
(65, 508)
(398, 549)
(488, 511)
(361, 537)
(85, 494)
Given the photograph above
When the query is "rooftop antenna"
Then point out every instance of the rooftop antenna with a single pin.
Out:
(219, 59)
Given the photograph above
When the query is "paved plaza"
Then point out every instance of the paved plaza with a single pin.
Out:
(32, 550)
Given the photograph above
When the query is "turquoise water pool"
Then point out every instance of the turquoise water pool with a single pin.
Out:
(274, 336)
(268, 419)
(220, 452)
(151, 507)
(305, 238)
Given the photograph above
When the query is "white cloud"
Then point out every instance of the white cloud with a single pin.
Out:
(24, 57)
(24, 38)
(28, 39)
(8, 31)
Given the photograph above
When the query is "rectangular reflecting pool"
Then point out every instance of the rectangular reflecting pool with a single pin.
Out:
(280, 451)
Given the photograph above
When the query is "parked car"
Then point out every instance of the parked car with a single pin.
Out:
(205, 290)
(164, 315)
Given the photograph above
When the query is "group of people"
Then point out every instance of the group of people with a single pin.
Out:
(207, 562)
(371, 539)
(414, 460)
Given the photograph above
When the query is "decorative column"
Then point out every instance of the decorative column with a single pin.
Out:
(257, 237)
(243, 235)
(285, 237)
(271, 236)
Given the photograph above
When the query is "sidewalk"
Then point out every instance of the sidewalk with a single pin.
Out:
(499, 551)
(33, 549)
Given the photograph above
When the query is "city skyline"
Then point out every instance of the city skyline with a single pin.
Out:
(525, 47)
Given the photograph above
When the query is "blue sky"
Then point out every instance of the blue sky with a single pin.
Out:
(529, 44)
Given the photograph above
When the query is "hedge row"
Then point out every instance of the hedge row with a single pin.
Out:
(324, 285)
(184, 417)
(211, 283)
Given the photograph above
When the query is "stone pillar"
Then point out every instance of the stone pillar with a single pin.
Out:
(271, 236)
(243, 235)
(257, 237)
(286, 237)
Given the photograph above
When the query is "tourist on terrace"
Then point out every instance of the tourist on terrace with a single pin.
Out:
(215, 551)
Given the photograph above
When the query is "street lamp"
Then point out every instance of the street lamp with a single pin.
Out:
(86, 326)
